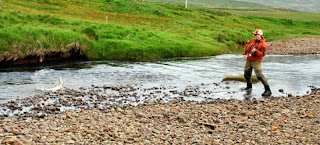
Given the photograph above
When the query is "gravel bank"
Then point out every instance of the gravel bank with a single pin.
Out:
(295, 46)
(281, 120)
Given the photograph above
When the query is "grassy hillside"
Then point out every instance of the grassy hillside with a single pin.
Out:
(135, 30)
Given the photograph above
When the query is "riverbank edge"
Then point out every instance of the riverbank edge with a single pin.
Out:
(300, 46)
(282, 120)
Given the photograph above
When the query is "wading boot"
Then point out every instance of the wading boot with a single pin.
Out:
(248, 88)
(267, 91)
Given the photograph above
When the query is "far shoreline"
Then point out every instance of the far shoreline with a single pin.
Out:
(299, 46)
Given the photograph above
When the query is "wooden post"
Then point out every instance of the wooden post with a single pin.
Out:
(186, 6)
(106, 19)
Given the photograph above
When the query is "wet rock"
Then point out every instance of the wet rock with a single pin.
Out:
(61, 93)
(281, 90)
(51, 108)
(255, 101)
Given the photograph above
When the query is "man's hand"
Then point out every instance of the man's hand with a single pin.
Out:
(244, 57)
(253, 50)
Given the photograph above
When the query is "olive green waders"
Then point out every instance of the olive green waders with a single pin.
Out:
(256, 66)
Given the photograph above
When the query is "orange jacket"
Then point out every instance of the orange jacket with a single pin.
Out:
(261, 49)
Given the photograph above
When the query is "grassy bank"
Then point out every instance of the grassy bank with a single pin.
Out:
(135, 30)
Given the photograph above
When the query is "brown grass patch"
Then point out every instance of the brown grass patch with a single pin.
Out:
(239, 78)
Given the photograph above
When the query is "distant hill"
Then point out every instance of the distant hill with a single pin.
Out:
(312, 6)
(217, 3)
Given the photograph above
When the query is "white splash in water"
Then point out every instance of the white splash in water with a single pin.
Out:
(39, 76)
(57, 88)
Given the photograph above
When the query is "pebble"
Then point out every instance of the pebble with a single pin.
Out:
(15, 131)
(250, 113)
(183, 117)
(284, 111)
(280, 120)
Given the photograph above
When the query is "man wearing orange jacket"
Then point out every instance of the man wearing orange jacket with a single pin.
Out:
(254, 51)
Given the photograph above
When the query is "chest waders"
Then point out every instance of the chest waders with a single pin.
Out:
(256, 66)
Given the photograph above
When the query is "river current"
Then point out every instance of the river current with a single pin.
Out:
(292, 73)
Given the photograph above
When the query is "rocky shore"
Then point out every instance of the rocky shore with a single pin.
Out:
(295, 46)
(276, 120)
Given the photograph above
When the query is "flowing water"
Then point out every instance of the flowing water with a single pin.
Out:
(294, 74)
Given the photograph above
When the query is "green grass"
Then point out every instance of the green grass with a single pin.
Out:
(136, 30)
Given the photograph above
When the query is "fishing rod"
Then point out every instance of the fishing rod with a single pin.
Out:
(246, 17)
(254, 26)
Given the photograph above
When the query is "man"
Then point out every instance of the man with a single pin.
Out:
(254, 51)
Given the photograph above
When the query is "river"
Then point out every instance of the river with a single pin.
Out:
(292, 73)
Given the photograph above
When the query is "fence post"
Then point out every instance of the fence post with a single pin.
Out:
(186, 4)
(106, 19)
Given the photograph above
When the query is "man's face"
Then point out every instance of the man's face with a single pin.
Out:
(257, 37)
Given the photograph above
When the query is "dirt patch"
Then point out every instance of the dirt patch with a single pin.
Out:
(295, 46)
(51, 57)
